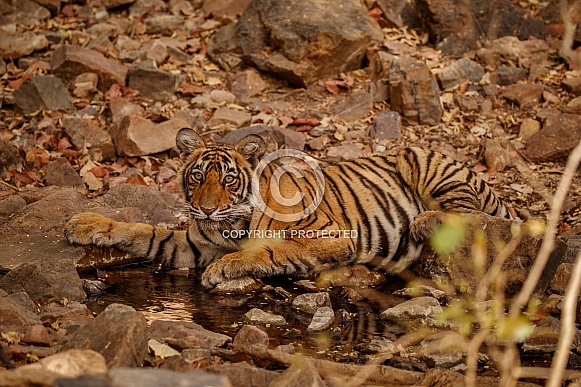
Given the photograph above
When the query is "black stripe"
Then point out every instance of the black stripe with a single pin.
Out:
(173, 256)
(194, 248)
(162, 244)
(150, 243)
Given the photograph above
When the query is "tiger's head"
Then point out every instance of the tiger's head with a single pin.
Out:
(217, 179)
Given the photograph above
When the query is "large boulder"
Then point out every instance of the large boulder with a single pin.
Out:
(297, 40)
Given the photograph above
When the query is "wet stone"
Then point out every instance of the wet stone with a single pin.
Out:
(417, 308)
(251, 335)
(183, 334)
(258, 316)
(310, 302)
(322, 320)
(421, 291)
(42, 92)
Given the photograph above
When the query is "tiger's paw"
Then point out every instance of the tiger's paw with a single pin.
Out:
(88, 228)
(243, 263)
(424, 225)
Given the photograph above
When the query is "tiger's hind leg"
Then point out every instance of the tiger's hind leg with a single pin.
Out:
(424, 225)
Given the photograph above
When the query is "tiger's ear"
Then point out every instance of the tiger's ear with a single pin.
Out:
(188, 141)
(251, 147)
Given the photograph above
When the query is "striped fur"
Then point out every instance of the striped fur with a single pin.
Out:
(385, 201)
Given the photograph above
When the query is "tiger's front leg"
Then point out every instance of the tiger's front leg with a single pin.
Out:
(168, 248)
(281, 257)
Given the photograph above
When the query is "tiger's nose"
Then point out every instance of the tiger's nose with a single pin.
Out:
(209, 210)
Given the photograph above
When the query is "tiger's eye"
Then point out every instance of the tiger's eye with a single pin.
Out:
(195, 177)
(229, 179)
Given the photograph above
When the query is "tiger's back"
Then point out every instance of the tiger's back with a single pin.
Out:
(378, 199)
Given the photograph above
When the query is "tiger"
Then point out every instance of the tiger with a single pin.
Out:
(376, 206)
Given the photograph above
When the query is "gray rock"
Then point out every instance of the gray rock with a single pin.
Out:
(70, 61)
(44, 279)
(250, 335)
(507, 75)
(11, 204)
(61, 173)
(421, 291)
(42, 92)
(119, 333)
(417, 308)
(222, 96)
(258, 316)
(163, 24)
(354, 107)
(21, 44)
(386, 126)
(10, 158)
(545, 337)
(229, 116)
(153, 83)
(244, 374)
(322, 320)
(183, 334)
(460, 71)
(496, 156)
(272, 35)
(17, 312)
(310, 302)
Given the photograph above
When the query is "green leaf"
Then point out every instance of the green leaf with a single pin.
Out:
(449, 236)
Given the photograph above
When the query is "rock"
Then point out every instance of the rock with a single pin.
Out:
(163, 24)
(70, 61)
(44, 279)
(386, 126)
(42, 92)
(153, 83)
(496, 156)
(556, 140)
(523, 94)
(354, 107)
(561, 278)
(468, 102)
(250, 335)
(67, 313)
(572, 85)
(108, 4)
(120, 108)
(85, 84)
(258, 316)
(61, 173)
(17, 313)
(445, 350)
(528, 127)
(400, 13)
(228, 116)
(11, 204)
(414, 92)
(185, 334)
(509, 48)
(274, 136)
(416, 308)
(574, 106)
(225, 11)
(479, 19)
(87, 133)
(246, 84)
(244, 374)
(344, 152)
(119, 333)
(156, 50)
(222, 96)
(507, 75)
(450, 268)
(458, 72)
(37, 335)
(545, 338)
(237, 286)
(140, 377)
(355, 275)
(303, 373)
(25, 12)
(319, 143)
(137, 136)
(141, 7)
(310, 302)
(272, 36)
(21, 44)
(322, 320)
(10, 158)
(421, 291)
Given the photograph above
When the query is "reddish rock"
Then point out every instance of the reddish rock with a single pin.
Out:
(561, 278)
(10, 158)
(347, 151)
(226, 115)
(85, 84)
(21, 44)
(61, 173)
(121, 108)
(108, 4)
(572, 85)
(137, 136)
(556, 140)
(528, 127)
(249, 335)
(246, 84)
(86, 132)
(42, 92)
(224, 10)
(522, 94)
(153, 83)
(37, 335)
(186, 334)
(274, 136)
(354, 107)
(69, 61)
(496, 156)
(17, 312)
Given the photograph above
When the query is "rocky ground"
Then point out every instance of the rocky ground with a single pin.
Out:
(93, 93)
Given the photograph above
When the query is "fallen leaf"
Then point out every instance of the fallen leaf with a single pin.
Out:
(161, 350)
(189, 89)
